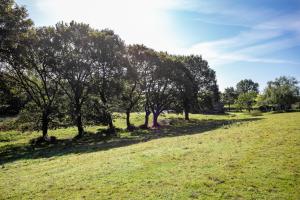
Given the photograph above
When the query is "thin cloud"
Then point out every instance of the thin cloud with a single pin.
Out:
(280, 33)
(223, 23)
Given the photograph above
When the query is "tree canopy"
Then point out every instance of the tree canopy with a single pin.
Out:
(246, 85)
(229, 96)
(282, 92)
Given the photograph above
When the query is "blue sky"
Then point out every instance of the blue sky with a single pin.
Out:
(257, 39)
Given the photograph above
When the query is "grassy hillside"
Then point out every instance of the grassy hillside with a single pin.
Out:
(211, 157)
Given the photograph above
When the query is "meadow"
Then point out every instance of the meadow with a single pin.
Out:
(234, 156)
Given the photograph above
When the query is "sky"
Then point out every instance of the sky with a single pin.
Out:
(257, 39)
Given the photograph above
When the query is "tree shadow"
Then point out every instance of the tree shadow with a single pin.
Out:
(99, 141)
(284, 111)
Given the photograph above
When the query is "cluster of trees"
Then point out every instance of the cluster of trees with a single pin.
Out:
(74, 74)
(279, 94)
(242, 96)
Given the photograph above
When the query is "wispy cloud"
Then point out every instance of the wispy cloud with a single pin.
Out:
(253, 45)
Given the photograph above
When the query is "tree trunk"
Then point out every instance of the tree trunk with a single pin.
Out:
(147, 114)
(79, 121)
(130, 127)
(155, 120)
(249, 109)
(111, 127)
(229, 107)
(186, 107)
(128, 119)
(186, 113)
(45, 123)
(79, 125)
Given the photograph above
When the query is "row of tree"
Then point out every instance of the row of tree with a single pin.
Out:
(279, 94)
(72, 73)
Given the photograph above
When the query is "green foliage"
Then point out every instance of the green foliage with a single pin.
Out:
(14, 27)
(31, 70)
(205, 92)
(282, 92)
(11, 98)
(246, 85)
(246, 100)
(296, 106)
(108, 68)
(229, 96)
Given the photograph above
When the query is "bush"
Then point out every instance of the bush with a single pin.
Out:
(296, 106)
(8, 124)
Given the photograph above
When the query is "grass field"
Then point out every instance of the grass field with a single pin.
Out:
(211, 157)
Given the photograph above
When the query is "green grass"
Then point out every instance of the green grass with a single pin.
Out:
(236, 156)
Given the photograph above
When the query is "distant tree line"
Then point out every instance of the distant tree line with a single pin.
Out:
(72, 74)
(279, 95)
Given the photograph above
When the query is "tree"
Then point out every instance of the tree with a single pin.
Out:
(145, 61)
(246, 85)
(130, 96)
(209, 93)
(185, 83)
(161, 89)
(135, 73)
(108, 69)
(246, 100)
(32, 70)
(200, 90)
(14, 27)
(229, 96)
(262, 103)
(282, 92)
(75, 66)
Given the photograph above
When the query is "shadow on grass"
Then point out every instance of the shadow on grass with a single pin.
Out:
(92, 142)
(284, 111)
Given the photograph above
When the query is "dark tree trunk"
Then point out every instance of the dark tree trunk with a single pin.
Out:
(186, 115)
(79, 121)
(128, 119)
(45, 123)
(186, 110)
(111, 127)
(79, 125)
(130, 127)
(146, 123)
(147, 114)
(229, 107)
(155, 120)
